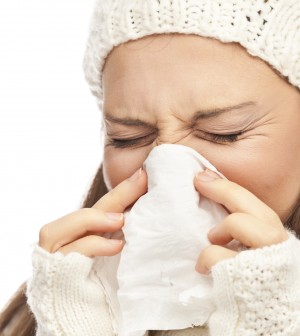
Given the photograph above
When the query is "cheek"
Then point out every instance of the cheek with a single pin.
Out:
(119, 164)
(272, 173)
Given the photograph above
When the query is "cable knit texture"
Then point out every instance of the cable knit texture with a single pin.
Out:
(269, 29)
(256, 294)
(65, 297)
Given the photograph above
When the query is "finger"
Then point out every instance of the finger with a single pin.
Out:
(77, 224)
(248, 230)
(92, 246)
(234, 197)
(212, 255)
(124, 194)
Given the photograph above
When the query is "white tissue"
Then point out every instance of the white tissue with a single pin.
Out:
(152, 284)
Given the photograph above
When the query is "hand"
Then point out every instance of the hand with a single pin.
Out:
(251, 222)
(82, 231)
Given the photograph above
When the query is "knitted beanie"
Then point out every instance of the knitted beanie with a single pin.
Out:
(269, 29)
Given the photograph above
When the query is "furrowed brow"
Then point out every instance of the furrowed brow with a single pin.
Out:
(127, 121)
(199, 115)
(215, 112)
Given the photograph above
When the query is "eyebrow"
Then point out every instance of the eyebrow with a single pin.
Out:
(199, 115)
(127, 121)
(215, 112)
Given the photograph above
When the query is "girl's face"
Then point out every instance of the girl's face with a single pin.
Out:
(215, 98)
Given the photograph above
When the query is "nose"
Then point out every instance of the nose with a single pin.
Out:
(174, 137)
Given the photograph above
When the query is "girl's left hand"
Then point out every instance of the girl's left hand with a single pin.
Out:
(251, 222)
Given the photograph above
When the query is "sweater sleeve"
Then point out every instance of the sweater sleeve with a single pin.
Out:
(258, 292)
(65, 296)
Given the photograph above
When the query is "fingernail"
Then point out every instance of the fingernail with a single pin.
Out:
(212, 230)
(203, 270)
(207, 176)
(211, 233)
(115, 241)
(114, 216)
(136, 175)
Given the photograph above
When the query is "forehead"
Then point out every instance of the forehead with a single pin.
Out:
(173, 49)
(176, 68)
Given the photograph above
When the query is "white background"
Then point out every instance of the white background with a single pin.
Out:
(50, 126)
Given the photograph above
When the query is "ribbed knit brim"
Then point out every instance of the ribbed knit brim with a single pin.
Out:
(269, 29)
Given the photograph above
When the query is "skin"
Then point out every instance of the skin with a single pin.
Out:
(161, 81)
(82, 231)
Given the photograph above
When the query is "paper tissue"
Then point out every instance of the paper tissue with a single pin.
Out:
(152, 284)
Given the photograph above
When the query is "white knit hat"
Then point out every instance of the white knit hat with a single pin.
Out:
(269, 29)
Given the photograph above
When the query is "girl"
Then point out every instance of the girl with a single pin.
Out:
(222, 78)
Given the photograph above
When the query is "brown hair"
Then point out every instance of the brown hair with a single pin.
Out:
(17, 319)
(292, 222)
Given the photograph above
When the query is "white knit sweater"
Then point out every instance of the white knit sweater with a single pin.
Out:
(256, 293)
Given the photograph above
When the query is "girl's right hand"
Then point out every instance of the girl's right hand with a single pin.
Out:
(82, 231)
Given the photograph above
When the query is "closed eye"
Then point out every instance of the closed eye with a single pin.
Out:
(224, 137)
(221, 138)
(148, 139)
(131, 142)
